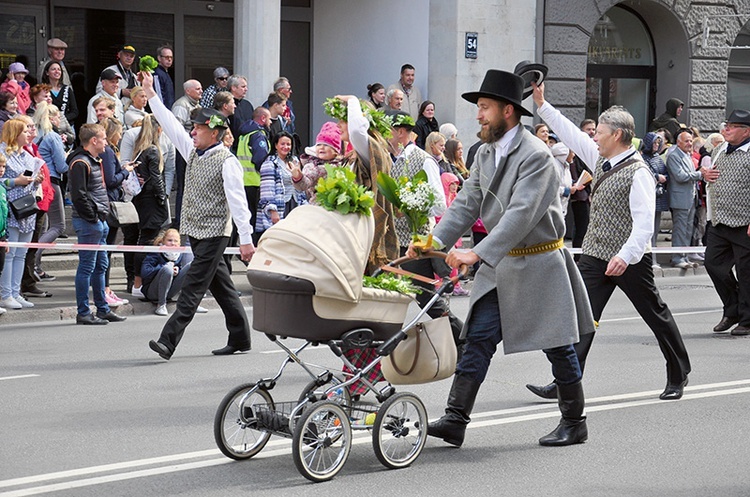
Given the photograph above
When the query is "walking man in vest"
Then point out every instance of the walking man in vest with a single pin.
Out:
(616, 248)
(729, 212)
(213, 197)
(527, 294)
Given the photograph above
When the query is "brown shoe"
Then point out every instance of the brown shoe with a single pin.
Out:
(740, 331)
(725, 323)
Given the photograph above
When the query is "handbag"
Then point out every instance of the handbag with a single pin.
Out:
(24, 207)
(131, 186)
(428, 353)
(121, 213)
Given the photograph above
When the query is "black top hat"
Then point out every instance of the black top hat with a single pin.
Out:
(739, 116)
(211, 118)
(531, 72)
(500, 85)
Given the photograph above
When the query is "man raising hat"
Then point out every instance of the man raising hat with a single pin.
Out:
(528, 280)
(729, 212)
(213, 197)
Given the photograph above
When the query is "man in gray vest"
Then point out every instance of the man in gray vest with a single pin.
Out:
(616, 248)
(527, 293)
(729, 212)
(213, 198)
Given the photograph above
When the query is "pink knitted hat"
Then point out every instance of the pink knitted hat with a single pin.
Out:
(329, 135)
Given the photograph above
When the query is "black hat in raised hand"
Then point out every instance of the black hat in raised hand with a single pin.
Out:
(500, 85)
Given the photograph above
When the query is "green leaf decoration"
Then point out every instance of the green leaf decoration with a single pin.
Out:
(147, 64)
(389, 188)
(391, 282)
(340, 192)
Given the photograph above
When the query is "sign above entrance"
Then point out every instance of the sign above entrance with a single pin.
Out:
(471, 45)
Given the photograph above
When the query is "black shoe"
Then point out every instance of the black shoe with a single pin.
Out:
(452, 426)
(230, 349)
(674, 392)
(36, 293)
(572, 428)
(111, 317)
(740, 331)
(160, 349)
(725, 323)
(40, 275)
(545, 392)
(89, 319)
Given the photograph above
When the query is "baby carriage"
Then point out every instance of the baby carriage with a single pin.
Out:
(307, 284)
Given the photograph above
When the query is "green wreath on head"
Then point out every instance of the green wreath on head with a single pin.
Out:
(337, 109)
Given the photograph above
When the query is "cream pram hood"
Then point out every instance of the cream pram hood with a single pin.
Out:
(326, 248)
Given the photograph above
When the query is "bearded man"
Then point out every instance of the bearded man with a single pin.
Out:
(528, 277)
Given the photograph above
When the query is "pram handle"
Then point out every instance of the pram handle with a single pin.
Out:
(393, 267)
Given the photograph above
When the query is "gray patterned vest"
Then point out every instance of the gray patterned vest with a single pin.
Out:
(730, 194)
(408, 165)
(610, 223)
(205, 212)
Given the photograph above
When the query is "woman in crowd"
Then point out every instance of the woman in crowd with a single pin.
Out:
(8, 107)
(47, 119)
(542, 132)
(137, 109)
(327, 150)
(435, 146)
(454, 154)
(651, 145)
(22, 173)
(62, 94)
(426, 124)
(376, 94)
(114, 174)
(277, 193)
(151, 203)
(163, 273)
(38, 93)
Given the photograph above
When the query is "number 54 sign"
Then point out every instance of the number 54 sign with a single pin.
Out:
(471, 46)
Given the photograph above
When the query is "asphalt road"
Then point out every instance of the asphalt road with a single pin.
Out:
(90, 411)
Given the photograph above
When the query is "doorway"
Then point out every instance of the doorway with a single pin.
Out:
(23, 35)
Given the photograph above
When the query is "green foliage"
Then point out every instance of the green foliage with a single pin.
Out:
(389, 281)
(147, 64)
(340, 192)
(335, 108)
(413, 197)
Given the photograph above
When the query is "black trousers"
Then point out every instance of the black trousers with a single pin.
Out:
(580, 221)
(208, 271)
(729, 248)
(637, 282)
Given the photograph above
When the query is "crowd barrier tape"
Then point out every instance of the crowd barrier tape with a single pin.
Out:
(236, 250)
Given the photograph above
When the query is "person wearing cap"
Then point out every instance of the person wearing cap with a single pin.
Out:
(527, 292)
(123, 67)
(16, 84)
(616, 248)
(728, 203)
(110, 80)
(55, 52)
(221, 76)
(213, 198)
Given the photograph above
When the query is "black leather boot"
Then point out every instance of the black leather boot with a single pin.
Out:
(452, 426)
(572, 428)
(545, 392)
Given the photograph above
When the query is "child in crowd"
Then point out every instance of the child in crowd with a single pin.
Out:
(327, 150)
(164, 273)
(3, 216)
(450, 186)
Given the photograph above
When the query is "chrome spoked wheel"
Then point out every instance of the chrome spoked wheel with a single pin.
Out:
(400, 430)
(322, 441)
(235, 425)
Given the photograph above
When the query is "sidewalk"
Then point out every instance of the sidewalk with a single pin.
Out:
(61, 306)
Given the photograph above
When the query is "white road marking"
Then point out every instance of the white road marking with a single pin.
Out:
(19, 377)
(688, 313)
(280, 446)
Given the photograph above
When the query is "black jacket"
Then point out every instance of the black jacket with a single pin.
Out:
(87, 188)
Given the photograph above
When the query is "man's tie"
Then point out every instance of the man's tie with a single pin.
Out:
(606, 166)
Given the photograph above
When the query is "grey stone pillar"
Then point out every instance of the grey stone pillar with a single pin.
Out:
(257, 45)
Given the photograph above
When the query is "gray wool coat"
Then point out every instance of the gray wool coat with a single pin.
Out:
(542, 298)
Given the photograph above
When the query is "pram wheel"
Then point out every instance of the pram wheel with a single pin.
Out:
(400, 430)
(322, 441)
(235, 424)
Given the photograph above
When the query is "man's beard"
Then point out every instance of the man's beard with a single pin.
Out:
(494, 132)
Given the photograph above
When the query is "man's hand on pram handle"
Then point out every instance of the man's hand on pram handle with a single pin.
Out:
(246, 251)
(460, 257)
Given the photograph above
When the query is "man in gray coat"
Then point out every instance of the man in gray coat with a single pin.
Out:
(682, 194)
(513, 187)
